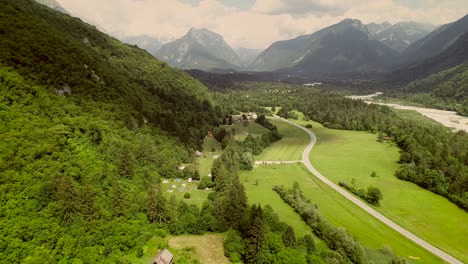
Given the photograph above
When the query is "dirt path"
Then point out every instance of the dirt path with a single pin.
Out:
(305, 159)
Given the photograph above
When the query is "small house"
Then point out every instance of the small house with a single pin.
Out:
(199, 153)
(189, 180)
(164, 257)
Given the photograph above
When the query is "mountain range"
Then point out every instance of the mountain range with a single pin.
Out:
(199, 49)
(343, 47)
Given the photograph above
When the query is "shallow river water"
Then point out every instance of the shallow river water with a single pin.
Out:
(446, 118)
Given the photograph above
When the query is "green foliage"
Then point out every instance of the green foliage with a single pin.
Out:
(373, 195)
(443, 90)
(234, 247)
(337, 239)
(187, 195)
(289, 238)
(74, 59)
(432, 156)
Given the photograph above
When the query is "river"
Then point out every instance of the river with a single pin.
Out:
(446, 118)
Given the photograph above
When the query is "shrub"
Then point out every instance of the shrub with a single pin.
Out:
(187, 195)
(308, 126)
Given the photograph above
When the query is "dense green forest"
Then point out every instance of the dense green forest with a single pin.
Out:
(444, 90)
(72, 58)
(88, 126)
(432, 156)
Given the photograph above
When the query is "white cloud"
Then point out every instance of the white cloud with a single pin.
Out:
(265, 22)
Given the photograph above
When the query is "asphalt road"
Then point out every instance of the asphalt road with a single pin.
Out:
(305, 159)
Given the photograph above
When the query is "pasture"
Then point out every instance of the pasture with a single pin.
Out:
(347, 155)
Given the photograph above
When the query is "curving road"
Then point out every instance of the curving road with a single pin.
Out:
(305, 159)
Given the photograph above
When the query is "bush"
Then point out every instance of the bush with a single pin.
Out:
(187, 195)
(308, 126)
(374, 195)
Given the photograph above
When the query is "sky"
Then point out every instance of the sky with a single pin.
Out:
(253, 23)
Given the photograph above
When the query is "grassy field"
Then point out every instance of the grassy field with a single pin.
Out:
(241, 131)
(290, 147)
(339, 211)
(197, 197)
(358, 154)
(209, 247)
(206, 248)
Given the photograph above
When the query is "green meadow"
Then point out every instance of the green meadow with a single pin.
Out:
(346, 155)
(290, 147)
(370, 232)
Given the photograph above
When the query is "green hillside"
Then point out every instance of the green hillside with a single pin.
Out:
(62, 53)
(447, 90)
(87, 126)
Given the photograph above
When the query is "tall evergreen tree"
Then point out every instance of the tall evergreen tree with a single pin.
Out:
(157, 205)
(289, 238)
(255, 236)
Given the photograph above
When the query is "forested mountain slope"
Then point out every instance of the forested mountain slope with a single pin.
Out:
(65, 54)
(87, 127)
(440, 81)
(435, 42)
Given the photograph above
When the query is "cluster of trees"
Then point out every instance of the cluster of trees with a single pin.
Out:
(255, 145)
(74, 179)
(254, 234)
(432, 156)
(373, 195)
(345, 247)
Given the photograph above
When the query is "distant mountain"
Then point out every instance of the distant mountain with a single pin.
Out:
(400, 35)
(199, 49)
(54, 5)
(340, 48)
(150, 44)
(436, 42)
(247, 56)
(454, 55)
(374, 28)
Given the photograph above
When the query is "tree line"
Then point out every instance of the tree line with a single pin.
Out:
(432, 156)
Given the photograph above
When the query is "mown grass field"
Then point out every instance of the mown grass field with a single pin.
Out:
(339, 211)
(209, 247)
(346, 155)
(290, 147)
(206, 248)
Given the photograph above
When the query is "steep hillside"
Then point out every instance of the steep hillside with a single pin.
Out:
(53, 4)
(452, 56)
(88, 125)
(67, 55)
(340, 48)
(400, 35)
(436, 42)
(199, 49)
(150, 44)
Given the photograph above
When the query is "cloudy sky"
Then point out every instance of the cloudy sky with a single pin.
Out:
(253, 23)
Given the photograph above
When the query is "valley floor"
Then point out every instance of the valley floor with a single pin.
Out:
(358, 153)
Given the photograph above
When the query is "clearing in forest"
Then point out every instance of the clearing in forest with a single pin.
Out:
(209, 248)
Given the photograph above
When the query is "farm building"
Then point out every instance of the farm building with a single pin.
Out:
(164, 257)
